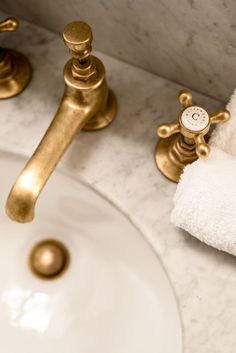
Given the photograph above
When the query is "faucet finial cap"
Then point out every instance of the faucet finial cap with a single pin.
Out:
(10, 24)
(78, 38)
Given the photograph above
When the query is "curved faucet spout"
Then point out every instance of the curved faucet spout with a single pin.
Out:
(69, 119)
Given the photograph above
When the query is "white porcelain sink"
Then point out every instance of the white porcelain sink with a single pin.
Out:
(115, 296)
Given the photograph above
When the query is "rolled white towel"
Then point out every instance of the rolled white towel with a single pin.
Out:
(205, 200)
(224, 135)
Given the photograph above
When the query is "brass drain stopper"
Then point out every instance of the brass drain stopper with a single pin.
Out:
(49, 259)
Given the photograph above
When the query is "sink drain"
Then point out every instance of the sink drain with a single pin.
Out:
(49, 259)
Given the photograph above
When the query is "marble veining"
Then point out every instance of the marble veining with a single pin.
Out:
(119, 162)
(188, 41)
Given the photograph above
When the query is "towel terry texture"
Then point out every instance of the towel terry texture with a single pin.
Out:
(205, 200)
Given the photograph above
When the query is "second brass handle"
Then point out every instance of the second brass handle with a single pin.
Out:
(9, 25)
(194, 123)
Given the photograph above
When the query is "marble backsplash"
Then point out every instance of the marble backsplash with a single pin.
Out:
(192, 42)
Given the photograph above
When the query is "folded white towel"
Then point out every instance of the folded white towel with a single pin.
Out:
(224, 135)
(205, 200)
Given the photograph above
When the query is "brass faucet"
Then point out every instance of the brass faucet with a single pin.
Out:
(15, 69)
(87, 104)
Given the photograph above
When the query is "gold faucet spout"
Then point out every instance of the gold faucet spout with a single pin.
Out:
(69, 119)
(87, 103)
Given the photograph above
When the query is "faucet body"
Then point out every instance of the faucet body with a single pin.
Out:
(87, 103)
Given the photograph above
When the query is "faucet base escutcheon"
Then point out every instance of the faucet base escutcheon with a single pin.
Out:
(15, 73)
(105, 117)
(172, 154)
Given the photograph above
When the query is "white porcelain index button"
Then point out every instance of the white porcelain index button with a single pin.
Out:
(195, 118)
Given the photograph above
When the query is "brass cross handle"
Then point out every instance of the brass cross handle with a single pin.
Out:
(181, 143)
(194, 122)
(9, 25)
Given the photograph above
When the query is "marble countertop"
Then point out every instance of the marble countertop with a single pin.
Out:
(119, 162)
